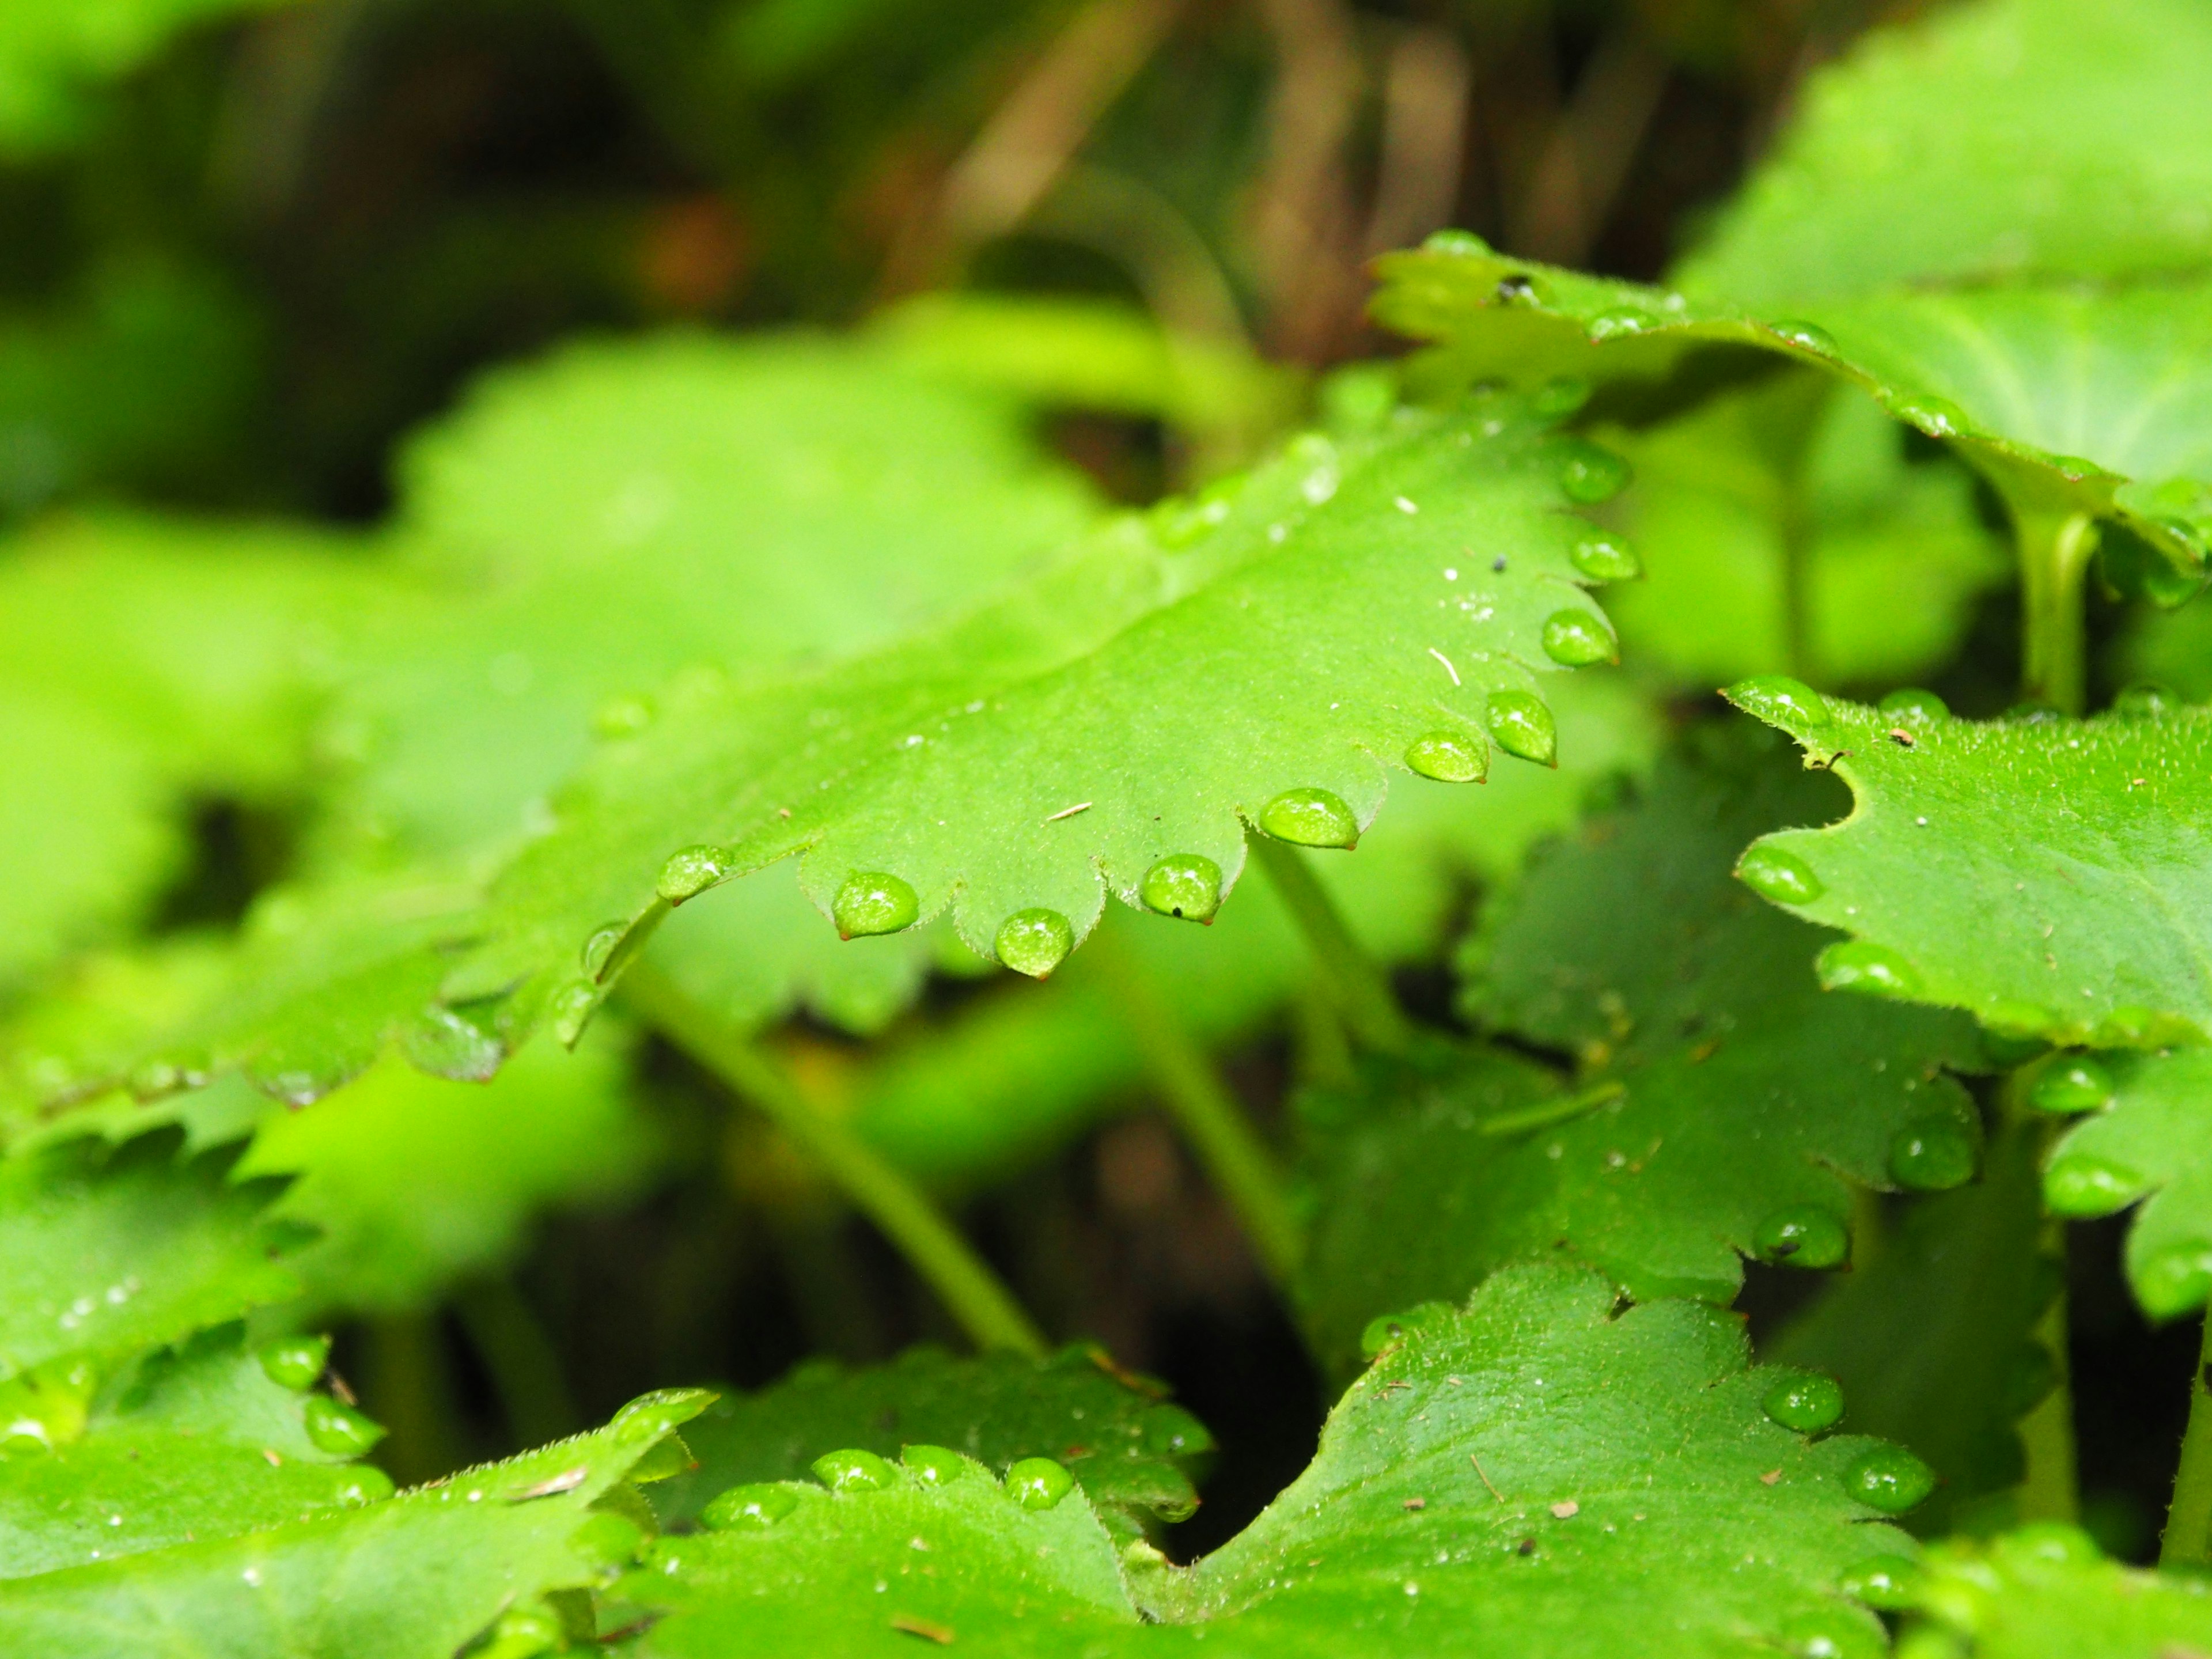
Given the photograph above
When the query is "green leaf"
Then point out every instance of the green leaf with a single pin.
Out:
(48, 53)
(106, 1252)
(194, 1442)
(1889, 555)
(1539, 1473)
(1344, 602)
(2149, 1139)
(587, 526)
(2045, 874)
(2070, 400)
(1135, 1455)
(1930, 1334)
(421, 1573)
(2046, 1593)
(1991, 140)
(1721, 1094)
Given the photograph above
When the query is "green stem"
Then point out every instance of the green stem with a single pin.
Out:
(1358, 987)
(971, 1293)
(2188, 1539)
(524, 1364)
(1235, 1159)
(2054, 557)
(2052, 1488)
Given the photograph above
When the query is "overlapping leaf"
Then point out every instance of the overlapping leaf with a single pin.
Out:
(47, 54)
(191, 1444)
(2047, 1592)
(2047, 875)
(423, 1573)
(1997, 139)
(1722, 1098)
(1537, 1474)
(1146, 698)
(2070, 400)
(1135, 1455)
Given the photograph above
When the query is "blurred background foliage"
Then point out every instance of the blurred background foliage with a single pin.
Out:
(373, 418)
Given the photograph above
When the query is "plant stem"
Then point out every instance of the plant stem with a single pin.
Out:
(2054, 557)
(1358, 987)
(2188, 1538)
(1237, 1161)
(524, 1364)
(2051, 1490)
(971, 1293)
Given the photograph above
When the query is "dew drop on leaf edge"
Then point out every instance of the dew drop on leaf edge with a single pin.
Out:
(1187, 885)
(1806, 1402)
(294, 1362)
(1034, 942)
(1910, 703)
(852, 1471)
(1589, 475)
(1854, 964)
(749, 1507)
(1781, 701)
(2084, 1184)
(2175, 1280)
(1038, 1483)
(1887, 1581)
(2068, 1083)
(1932, 1154)
(1310, 817)
(1578, 639)
(1802, 1235)
(1522, 725)
(1449, 758)
(691, 871)
(1889, 1479)
(1777, 873)
(337, 1428)
(1604, 558)
(872, 902)
(933, 1466)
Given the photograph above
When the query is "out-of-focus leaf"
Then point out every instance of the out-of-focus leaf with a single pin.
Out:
(2044, 1592)
(49, 53)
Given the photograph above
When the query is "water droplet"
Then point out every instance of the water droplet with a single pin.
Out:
(522, 1633)
(2083, 1184)
(2133, 1027)
(1780, 701)
(852, 1471)
(1560, 397)
(1780, 874)
(571, 1008)
(2145, 699)
(1038, 1483)
(1829, 1634)
(749, 1507)
(1857, 965)
(1910, 703)
(655, 1414)
(1381, 1331)
(1449, 756)
(691, 871)
(1933, 1155)
(2049, 1542)
(1886, 1582)
(1806, 336)
(151, 1080)
(1310, 817)
(1803, 1236)
(1185, 885)
(622, 717)
(1619, 322)
(1606, 558)
(1034, 942)
(445, 1043)
(1522, 725)
(871, 901)
(294, 1362)
(2019, 1024)
(1889, 1479)
(337, 1428)
(1939, 417)
(1588, 475)
(2174, 1281)
(599, 949)
(2070, 1083)
(1806, 1401)
(1459, 244)
(933, 1466)
(1577, 639)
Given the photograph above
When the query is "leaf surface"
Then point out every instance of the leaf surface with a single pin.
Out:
(1535, 1474)
(1720, 1091)
(2046, 1593)
(2048, 875)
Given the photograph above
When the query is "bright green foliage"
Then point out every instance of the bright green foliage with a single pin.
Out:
(48, 51)
(1134, 1455)
(142, 664)
(2150, 1139)
(1720, 1089)
(1727, 495)
(2044, 1593)
(193, 1443)
(1997, 139)
(1053, 746)
(2046, 874)
(421, 1573)
(2069, 401)
(1930, 1332)
(412, 1183)
(1532, 1476)
(108, 1251)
